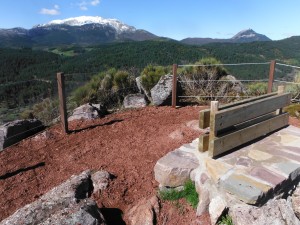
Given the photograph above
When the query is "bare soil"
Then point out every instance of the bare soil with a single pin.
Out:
(126, 144)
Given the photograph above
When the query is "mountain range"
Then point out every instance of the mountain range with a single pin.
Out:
(88, 30)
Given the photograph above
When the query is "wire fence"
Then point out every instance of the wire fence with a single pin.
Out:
(38, 98)
(26, 107)
(203, 83)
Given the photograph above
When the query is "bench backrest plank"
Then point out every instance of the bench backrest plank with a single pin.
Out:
(237, 123)
(238, 114)
(205, 114)
(222, 144)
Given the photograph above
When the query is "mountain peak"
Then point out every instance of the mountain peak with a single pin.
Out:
(83, 20)
(249, 35)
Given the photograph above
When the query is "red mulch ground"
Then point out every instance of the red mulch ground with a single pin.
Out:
(126, 144)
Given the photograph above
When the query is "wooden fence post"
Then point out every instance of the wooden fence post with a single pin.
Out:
(62, 101)
(214, 108)
(271, 75)
(174, 88)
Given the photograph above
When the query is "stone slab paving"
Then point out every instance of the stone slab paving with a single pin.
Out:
(261, 169)
(253, 174)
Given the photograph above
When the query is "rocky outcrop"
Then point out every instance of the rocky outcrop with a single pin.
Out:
(15, 131)
(277, 212)
(174, 169)
(144, 212)
(88, 111)
(134, 101)
(67, 203)
(161, 93)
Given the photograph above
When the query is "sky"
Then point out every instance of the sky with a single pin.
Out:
(177, 19)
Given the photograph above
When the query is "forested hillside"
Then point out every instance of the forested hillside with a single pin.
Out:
(39, 67)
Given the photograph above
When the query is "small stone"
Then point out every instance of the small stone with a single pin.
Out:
(144, 212)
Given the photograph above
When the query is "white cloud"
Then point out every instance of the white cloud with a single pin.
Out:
(52, 12)
(84, 4)
(95, 2)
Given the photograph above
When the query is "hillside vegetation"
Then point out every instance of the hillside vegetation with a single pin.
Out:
(38, 68)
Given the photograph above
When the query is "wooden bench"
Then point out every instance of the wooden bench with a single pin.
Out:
(240, 122)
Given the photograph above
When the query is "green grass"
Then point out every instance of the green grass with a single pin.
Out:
(189, 193)
(226, 220)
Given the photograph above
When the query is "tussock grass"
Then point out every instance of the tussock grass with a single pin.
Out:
(189, 193)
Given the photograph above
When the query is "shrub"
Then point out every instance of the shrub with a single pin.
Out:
(202, 80)
(189, 193)
(46, 111)
(151, 75)
(258, 88)
(122, 80)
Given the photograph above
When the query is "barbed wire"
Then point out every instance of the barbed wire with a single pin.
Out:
(223, 64)
(216, 96)
(76, 74)
(27, 131)
(282, 64)
(194, 81)
(26, 81)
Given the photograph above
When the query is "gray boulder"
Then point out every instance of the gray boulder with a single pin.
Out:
(296, 201)
(174, 169)
(88, 111)
(15, 131)
(64, 204)
(161, 93)
(231, 86)
(275, 212)
(134, 101)
(142, 89)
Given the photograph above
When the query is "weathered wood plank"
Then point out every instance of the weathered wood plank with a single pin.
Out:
(219, 145)
(204, 118)
(205, 114)
(238, 114)
(203, 142)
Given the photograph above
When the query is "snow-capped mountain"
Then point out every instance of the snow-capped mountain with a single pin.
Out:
(83, 20)
(84, 30)
(248, 35)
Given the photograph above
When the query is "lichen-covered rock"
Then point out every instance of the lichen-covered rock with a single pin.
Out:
(296, 201)
(64, 204)
(134, 101)
(277, 212)
(15, 131)
(161, 93)
(88, 111)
